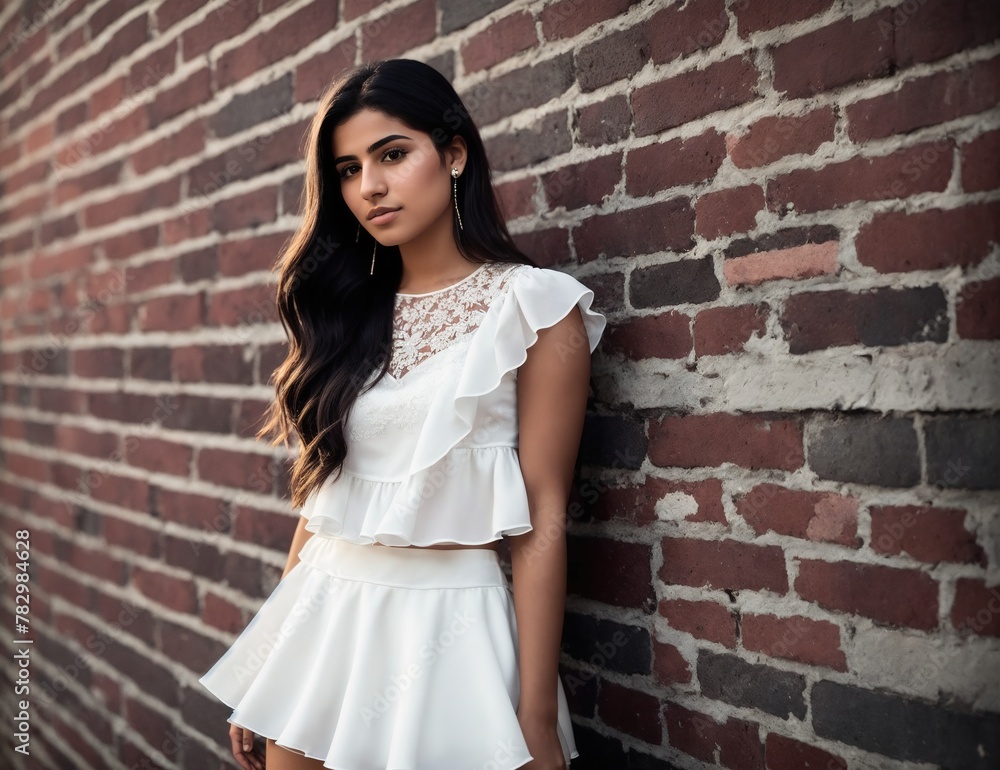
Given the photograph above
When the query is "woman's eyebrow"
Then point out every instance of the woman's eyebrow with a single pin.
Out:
(374, 147)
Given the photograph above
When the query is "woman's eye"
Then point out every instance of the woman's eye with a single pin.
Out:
(344, 171)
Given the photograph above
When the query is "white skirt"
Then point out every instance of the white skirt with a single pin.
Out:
(385, 658)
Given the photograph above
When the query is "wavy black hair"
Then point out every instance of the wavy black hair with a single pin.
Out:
(338, 316)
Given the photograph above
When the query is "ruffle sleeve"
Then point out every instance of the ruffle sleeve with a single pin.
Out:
(417, 510)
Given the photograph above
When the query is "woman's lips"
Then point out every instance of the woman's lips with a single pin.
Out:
(383, 219)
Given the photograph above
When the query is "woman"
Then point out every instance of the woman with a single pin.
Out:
(437, 381)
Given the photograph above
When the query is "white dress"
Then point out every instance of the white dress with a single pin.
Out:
(381, 658)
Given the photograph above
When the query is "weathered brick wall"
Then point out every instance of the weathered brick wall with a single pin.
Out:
(785, 545)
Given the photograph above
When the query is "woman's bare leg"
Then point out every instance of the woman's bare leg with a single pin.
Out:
(280, 758)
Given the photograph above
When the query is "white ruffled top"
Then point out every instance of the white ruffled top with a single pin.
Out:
(432, 448)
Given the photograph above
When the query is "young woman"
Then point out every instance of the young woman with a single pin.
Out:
(437, 382)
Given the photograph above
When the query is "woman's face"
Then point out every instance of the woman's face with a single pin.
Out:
(403, 171)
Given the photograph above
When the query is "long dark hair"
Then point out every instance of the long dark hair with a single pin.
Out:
(337, 316)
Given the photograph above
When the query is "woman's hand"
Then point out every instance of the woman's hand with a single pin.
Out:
(543, 744)
(243, 749)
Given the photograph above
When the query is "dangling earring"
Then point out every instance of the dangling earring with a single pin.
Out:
(454, 191)
(358, 235)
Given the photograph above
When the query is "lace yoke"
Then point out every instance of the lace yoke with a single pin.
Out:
(426, 324)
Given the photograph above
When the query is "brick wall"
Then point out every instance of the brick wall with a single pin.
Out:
(785, 541)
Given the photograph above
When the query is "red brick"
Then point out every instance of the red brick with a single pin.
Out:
(722, 330)
(136, 538)
(175, 593)
(710, 440)
(906, 172)
(898, 597)
(122, 491)
(928, 534)
(252, 305)
(183, 143)
(819, 516)
(99, 362)
(929, 240)
(804, 65)
(240, 470)
(171, 313)
(582, 184)
(725, 212)
(759, 15)
(500, 41)
(704, 620)
(683, 98)
(814, 642)
(239, 256)
(158, 456)
(149, 275)
(978, 310)
(223, 22)
(980, 168)
(925, 101)
(219, 612)
(515, 198)
(737, 741)
(396, 32)
(723, 564)
(193, 511)
(669, 666)
(132, 204)
(789, 754)
(128, 245)
(933, 29)
(676, 162)
(312, 76)
(571, 17)
(193, 91)
(976, 608)
(630, 711)
(696, 501)
(777, 136)
(667, 335)
(663, 225)
(249, 209)
(290, 35)
(682, 29)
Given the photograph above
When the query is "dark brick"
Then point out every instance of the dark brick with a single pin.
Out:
(603, 123)
(733, 680)
(607, 644)
(257, 106)
(613, 441)
(963, 452)
(906, 730)
(610, 571)
(616, 56)
(150, 364)
(547, 137)
(504, 95)
(866, 450)
(674, 283)
(456, 14)
(780, 240)
(814, 320)
(933, 29)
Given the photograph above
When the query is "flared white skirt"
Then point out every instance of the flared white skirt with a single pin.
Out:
(385, 658)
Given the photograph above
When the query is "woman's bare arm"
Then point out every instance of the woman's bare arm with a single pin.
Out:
(552, 388)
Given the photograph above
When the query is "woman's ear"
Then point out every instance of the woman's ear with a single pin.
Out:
(457, 153)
